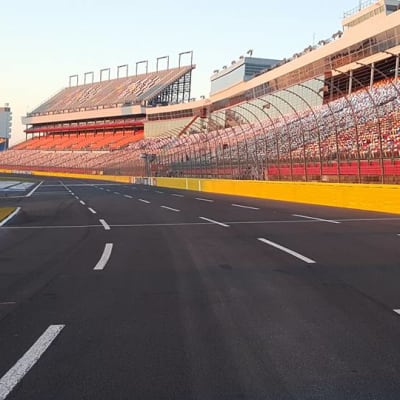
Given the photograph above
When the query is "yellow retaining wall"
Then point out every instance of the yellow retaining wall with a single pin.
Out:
(383, 198)
(113, 178)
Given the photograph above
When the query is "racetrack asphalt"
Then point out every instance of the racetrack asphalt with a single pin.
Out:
(195, 296)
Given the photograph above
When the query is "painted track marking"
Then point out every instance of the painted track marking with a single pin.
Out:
(330, 221)
(206, 200)
(247, 207)
(127, 196)
(34, 189)
(144, 201)
(177, 195)
(91, 210)
(13, 214)
(104, 257)
(214, 222)
(105, 225)
(82, 202)
(286, 250)
(28, 360)
(170, 208)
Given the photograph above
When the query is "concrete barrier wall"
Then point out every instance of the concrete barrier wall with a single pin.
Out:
(383, 198)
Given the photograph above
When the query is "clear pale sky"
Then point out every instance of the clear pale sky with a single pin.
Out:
(43, 42)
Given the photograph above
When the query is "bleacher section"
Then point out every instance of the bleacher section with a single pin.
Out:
(359, 133)
(90, 141)
(115, 92)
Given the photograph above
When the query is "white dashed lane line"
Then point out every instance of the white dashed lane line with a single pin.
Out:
(82, 202)
(205, 200)
(117, 193)
(28, 360)
(170, 208)
(105, 225)
(330, 221)
(127, 196)
(144, 201)
(177, 195)
(104, 257)
(214, 222)
(91, 210)
(288, 251)
(246, 207)
(159, 192)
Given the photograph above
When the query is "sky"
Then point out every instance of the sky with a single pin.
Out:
(43, 42)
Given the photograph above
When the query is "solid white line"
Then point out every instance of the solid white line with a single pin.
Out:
(316, 219)
(248, 207)
(104, 257)
(214, 222)
(177, 195)
(13, 214)
(144, 201)
(171, 209)
(206, 200)
(28, 360)
(127, 196)
(91, 210)
(105, 225)
(34, 190)
(286, 250)
(82, 202)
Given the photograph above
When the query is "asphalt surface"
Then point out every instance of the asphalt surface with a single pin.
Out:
(188, 303)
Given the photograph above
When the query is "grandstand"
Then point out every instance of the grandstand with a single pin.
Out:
(327, 113)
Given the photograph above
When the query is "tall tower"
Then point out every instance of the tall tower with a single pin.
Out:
(5, 126)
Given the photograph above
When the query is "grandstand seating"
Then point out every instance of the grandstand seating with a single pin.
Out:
(364, 126)
(131, 90)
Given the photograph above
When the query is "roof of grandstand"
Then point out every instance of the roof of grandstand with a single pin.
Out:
(129, 90)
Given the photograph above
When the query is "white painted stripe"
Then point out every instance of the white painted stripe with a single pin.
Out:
(159, 192)
(127, 196)
(214, 222)
(82, 202)
(7, 303)
(397, 311)
(171, 209)
(91, 210)
(144, 201)
(247, 207)
(28, 360)
(105, 225)
(104, 257)
(76, 197)
(286, 250)
(206, 200)
(34, 190)
(316, 219)
(101, 188)
(177, 195)
(117, 193)
(108, 190)
(13, 214)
